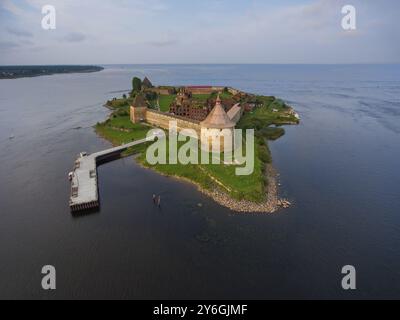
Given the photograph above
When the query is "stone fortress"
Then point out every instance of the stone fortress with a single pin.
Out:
(213, 119)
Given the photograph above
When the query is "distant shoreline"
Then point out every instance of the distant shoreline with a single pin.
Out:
(17, 72)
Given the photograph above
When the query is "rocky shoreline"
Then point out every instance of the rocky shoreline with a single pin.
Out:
(270, 205)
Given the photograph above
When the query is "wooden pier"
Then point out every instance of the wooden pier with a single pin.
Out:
(84, 187)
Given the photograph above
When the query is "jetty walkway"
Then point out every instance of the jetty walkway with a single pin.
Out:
(84, 187)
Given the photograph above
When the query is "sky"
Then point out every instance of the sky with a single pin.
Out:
(207, 31)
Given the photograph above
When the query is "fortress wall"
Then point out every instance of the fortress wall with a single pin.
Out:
(235, 113)
(161, 120)
(218, 89)
(199, 90)
(204, 90)
(233, 91)
(209, 90)
(161, 91)
(195, 90)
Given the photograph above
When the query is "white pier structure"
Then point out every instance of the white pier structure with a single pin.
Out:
(84, 188)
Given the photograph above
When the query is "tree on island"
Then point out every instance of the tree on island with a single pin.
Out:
(136, 84)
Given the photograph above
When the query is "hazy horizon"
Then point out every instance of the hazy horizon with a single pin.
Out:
(199, 64)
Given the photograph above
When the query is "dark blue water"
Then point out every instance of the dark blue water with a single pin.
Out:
(339, 168)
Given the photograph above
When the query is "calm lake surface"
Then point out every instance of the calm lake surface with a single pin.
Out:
(340, 168)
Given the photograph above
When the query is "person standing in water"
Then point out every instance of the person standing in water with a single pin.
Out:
(154, 198)
(159, 201)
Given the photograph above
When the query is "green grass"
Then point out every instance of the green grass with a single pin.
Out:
(266, 100)
(272, 133)
(225, 95)
(119, 103)
(251, 187)
(264, 117)
(201, 97)
(119, 137)
(204, 97)
(123, 122)
(119, 129)
(165, 101)
(109, 130)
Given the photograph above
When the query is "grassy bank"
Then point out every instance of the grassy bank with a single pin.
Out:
(207, 176)
(266, 119)
(119, 130)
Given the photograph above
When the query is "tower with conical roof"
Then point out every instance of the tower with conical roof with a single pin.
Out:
(216, 129)
(138, 109)
(146, 83)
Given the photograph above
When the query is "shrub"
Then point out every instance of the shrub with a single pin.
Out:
(273, 133)
(136, 84)
(264, 154)
(151, 95)
(122, 113)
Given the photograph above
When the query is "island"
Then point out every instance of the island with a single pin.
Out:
(15, 72)
(198, 108)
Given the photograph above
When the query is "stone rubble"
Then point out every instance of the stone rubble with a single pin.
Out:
(270, 205)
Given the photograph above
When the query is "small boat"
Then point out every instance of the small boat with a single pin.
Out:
(70, 176)
(11, 137)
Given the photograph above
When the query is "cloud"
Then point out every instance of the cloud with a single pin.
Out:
(210, 31)
(163, 43)
(11, 7)
(20, 33)
(74, 37)
(5, 45)
(27, 42)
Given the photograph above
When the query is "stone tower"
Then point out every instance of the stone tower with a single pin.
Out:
(217, 127)
(138, 109)
(146, 83)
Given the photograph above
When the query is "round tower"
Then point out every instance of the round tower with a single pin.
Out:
(216, 129)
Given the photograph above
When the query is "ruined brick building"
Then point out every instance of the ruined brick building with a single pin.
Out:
(185, 106)
(218, 121)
